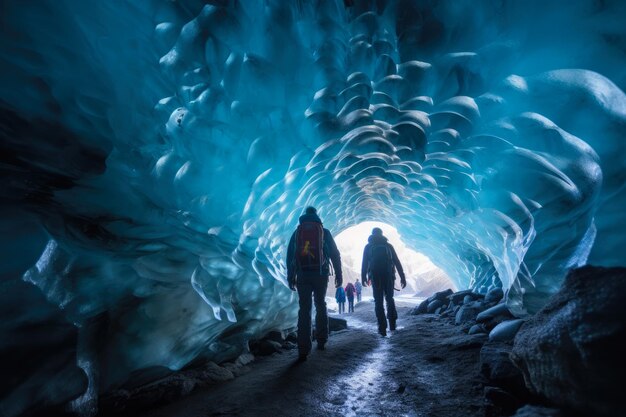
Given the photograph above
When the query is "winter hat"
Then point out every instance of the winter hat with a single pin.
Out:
(377, 231)
(310, 210)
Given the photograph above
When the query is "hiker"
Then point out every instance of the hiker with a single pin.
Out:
(340, 296)
(350, 292)
(379, 263)
(359, 288)
(310, 248)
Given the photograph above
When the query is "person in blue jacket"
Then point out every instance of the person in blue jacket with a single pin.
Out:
(340, 296)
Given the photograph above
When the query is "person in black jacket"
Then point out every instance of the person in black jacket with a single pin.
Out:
(379, 262)
(312, 282)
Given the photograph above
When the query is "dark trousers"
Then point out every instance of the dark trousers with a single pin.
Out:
(383, 290)
(315, 286)
(350, 305)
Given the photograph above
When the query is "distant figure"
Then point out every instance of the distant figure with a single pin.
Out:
(379, 263)
(308, 268)
(359, 288)
(340, 296)
(350, 293)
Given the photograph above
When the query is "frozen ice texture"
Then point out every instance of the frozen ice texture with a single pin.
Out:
(166, 149)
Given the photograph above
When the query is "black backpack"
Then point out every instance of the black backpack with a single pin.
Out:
(381, 260)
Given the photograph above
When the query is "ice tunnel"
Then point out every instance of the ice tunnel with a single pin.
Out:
(156, 156)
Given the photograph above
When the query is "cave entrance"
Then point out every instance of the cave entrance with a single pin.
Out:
(423, 277)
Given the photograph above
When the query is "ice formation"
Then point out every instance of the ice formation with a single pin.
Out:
(156, 156)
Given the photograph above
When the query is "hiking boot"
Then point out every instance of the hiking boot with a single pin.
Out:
(382, 332)
(321, 345)
(392, 325)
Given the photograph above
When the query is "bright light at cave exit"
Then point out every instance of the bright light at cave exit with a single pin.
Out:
(422, 275)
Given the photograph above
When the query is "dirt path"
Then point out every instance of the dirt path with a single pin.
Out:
(428, 367)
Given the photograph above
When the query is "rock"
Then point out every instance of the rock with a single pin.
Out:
(211, 373)
(457, 297)
(466, 313)
(477, 328)
(276, 336)
(467, 299)
(267, 347)
(421, 308)
(441, 295)
(289, 345)
(497, 310)
(467, 342)
(335, 324)
(433, 306)
(497, 367)
(292, 337)
(492, 316)
(38, 352)
(572, 351)
(244, 359)
(506, 330)
(504, 401)
(538, 411)
(494, 296)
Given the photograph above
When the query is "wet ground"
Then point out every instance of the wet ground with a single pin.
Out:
(428, 367)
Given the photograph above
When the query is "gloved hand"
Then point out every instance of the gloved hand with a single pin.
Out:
(338, 281)
(364, 282)
(403, 282)
(291, 281)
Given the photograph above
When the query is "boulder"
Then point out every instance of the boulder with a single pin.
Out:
(497, 367)
(266, 347)
(571, 352)
(276, 336)
(538, 411)
(494, 296)
(441, 295)
(292, 337)
(505, 331)
(477, 328)
(468, 299)
(421, 308)
(493, 316)
(490, 313)
(504, 402)
(466, 313)
(335, 324)
(433, 306)
(457, 297)
(38, 353)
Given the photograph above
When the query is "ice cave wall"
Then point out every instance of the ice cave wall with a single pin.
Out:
(156, 156)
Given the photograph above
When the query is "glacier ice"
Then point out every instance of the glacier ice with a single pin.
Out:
(156, 156)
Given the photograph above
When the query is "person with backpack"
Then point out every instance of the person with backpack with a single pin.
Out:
(340, 296)
(359, 289)
(379, 263)
(350, 292)
(310, 252)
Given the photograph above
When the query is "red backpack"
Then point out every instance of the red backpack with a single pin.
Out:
(310, 246)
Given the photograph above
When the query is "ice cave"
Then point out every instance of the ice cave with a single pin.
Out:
(156, 156)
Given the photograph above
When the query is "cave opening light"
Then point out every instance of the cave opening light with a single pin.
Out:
(422, 275)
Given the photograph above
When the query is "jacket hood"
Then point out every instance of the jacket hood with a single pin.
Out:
(377, 239)
(310, 218)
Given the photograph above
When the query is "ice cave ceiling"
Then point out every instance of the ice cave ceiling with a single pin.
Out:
(156, 155)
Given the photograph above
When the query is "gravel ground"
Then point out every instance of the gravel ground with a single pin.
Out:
(428, 367)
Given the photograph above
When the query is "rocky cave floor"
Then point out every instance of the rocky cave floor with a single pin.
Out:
(428, 367)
